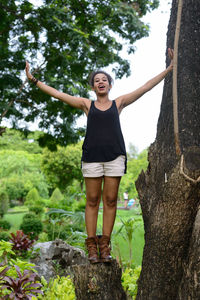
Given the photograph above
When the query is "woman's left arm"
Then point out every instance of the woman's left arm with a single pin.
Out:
(129, 98)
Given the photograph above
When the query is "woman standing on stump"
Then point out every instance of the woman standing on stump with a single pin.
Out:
(104, 153)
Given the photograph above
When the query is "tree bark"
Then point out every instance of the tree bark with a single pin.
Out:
(169, 200)
(98, 282)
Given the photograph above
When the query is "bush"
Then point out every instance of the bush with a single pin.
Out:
(4, 236)
(32, 227)
(4, 202)
(29, 216)
(38, 210)
(32, 198)
(56, 199)
(5, 224)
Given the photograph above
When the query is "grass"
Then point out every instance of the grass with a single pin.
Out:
(120, 246)
(15, 220)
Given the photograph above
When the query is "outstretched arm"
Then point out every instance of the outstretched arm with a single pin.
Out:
(78, 102)
(127, 99)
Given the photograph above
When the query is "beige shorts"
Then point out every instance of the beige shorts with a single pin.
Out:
(112, 168)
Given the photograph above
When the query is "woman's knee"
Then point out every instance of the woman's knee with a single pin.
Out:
(93, 200)
(110, 201)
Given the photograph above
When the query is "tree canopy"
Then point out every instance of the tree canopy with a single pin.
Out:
(64, 41)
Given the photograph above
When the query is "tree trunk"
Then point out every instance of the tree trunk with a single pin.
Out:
(169, 200)
(98, 282)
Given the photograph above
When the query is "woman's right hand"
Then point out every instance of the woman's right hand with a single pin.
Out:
(28, 74)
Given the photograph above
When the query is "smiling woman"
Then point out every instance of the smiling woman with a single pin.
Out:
(104, 153)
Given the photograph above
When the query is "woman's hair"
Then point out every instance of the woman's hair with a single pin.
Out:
(94, 73)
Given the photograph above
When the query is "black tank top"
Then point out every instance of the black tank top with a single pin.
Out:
(104, 140)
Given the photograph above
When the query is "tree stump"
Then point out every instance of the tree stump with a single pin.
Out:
(98, 282)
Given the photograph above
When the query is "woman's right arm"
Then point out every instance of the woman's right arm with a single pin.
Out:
(78, 102)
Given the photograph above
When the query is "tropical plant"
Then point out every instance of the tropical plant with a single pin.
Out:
(20, 242)
(126, 230)
(24, 287)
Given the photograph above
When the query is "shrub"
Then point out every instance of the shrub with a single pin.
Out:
(4, 236)
(4, 202)
(5, 224)
(38, 210)
(32, 198)
(29, 216)
(56, 198)
(32, 227)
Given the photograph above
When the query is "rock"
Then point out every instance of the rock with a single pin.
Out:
(57, 258)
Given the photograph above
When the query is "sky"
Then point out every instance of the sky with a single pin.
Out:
(139, 120)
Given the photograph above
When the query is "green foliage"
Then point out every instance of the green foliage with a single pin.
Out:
(5, 251)
(38, 210)
(15, 140)
(135, 164)
(43, 237)
(80, 204)
(29, 216)
(32, 198)
(56, 196)
(23, 287)
(4, 224)
(5, 236)
(126, 230)
(21, 242)
(129, 281)
(71, 40)
(20, 172)
(17, 277)
(61, 288)
(22, 264)
(63, 166)
(4, 202)
(32, 227)
(66, 225)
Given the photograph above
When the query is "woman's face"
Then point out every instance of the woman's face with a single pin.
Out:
(101, 84)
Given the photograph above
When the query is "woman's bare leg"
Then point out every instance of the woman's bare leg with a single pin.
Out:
(93, 195)
(110, 192)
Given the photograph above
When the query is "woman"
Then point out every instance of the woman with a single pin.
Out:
(104, 154)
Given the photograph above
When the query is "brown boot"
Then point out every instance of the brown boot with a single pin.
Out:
(104, 248)
(91, 244)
